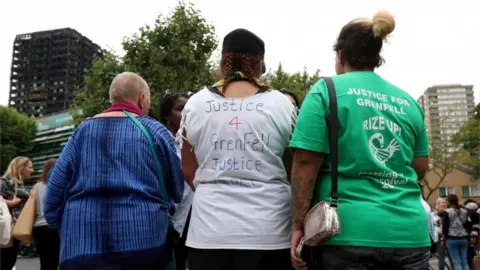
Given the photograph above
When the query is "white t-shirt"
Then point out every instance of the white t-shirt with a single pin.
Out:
(242, 195)
(428, 210)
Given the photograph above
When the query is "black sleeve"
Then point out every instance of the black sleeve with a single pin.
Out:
(4, 188)
(475, 218)
(445, 223)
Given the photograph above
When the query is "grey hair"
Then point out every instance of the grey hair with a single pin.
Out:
(127, 86)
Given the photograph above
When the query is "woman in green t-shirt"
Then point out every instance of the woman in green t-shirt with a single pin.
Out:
(383, 151)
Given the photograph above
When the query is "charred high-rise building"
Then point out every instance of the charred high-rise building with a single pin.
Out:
(47, 69)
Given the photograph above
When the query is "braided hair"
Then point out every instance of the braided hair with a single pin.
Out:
(166, 105)
(248, 64)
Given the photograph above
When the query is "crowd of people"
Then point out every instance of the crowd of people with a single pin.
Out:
(225, 177)
(454, 231)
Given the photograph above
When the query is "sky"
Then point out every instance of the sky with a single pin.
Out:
(434, 42)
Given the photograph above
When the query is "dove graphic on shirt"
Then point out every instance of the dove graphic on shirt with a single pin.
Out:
(380, 153)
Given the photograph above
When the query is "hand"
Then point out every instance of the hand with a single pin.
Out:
(16, 200)
(297, 262)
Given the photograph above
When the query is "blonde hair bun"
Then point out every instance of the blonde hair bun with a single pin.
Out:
(383, 24)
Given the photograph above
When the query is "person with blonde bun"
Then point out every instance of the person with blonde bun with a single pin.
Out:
(382, 152)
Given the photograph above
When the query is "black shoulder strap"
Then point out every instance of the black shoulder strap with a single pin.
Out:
(332, 96)
(214, 90)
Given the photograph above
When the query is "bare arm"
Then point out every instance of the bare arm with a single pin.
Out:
(189, 163)
(13, 202)
(304, 174)
(420, 165)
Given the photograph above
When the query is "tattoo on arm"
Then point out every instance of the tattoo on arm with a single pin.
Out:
(302, 193)
(304, 176)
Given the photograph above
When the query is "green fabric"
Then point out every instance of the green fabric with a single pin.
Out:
(381, 130)
(171, 265)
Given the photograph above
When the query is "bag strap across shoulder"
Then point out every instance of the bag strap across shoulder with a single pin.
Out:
(333, 130)
(163, 191)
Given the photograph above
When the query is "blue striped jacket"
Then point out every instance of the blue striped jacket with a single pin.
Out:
(103, 195)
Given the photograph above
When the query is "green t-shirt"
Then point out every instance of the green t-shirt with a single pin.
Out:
(381, 130)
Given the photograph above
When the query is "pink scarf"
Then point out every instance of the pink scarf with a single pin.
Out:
(124, 106)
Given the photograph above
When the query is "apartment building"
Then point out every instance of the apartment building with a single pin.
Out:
(446, 108)
(47, 68)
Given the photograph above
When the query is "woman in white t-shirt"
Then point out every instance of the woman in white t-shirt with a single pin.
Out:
(233, 137)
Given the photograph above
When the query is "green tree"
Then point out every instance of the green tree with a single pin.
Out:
(469, 138)
(476, 112)
(17, 132)
(92, 98)
(173, 55)
(445, 154)
(299, 82)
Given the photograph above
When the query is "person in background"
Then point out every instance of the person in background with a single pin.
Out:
(455, 236)
(104, 192)
(378, 166)
(171, 107)
(47, 240)
(428, 210)
(440, 206)
(233, 137)
(19, 169)
(292, 97)
(474, 220)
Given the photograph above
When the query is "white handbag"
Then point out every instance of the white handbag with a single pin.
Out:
(5, 224)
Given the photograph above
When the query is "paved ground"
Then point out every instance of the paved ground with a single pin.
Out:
(28, 264)
(34, 264)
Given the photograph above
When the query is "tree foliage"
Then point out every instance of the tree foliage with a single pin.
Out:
(469, 138)
(299, 82)
(173, 55)
(17, 132)
(92, 98)
(476, 112)
(445, 154)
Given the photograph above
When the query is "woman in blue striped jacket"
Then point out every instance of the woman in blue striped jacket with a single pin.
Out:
(105, 193)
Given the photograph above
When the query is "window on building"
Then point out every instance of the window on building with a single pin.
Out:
(471, 191)
(445, 191)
